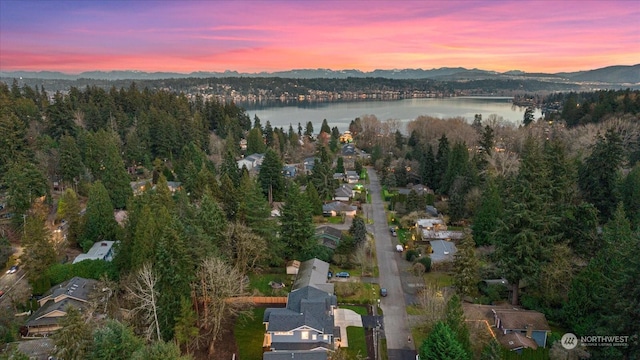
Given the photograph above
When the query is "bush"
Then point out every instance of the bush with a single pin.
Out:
(90, 269)
(418, 269)
(426, 261)
(411, 255)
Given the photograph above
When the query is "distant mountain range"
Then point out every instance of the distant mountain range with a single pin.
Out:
(620, 75)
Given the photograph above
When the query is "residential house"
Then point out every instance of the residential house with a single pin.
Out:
(351, 177)
(102, 250)
(336, 208)
(442, 250)
(343, 193)
(328, 236)
(338, 176)
(304, 328)
(432, 211)
(313, 273)
(348, 150)
(307, 165)
(289, 171)
(252, 161)
(521, 329)
(53, 306)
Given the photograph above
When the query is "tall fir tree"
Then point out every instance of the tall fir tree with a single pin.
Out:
(296, 227)
(99, 222)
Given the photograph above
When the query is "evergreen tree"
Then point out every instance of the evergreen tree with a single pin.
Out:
(314, 199)
(598, 175)
(38, 253)
(428, 168)
(630, 192)
(454, 318)
(186, 329)
(492, 351)
(268, 135)
(73, 341)
(229, 197)
(441, 344)
(24, 182)
(114, 340)
(159, 350)
(595, 297)
(486, 220)
(358, 231)
(99, 223)
(528, 116)
(524, 238)
(324, 128)
(466, 267)
(69, 210)
(255, 142)
(308, 131)
(458, 166)
(441, 162)
(13, 140)
(71, 166)
(296, 227)
(270, 176)
(340, 165)
(60, 117)
(229, 167)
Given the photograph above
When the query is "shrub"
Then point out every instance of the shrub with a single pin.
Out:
(426, 261)
(411, 255)
(418, 269)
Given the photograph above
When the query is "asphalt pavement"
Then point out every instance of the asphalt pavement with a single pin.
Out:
(396, 323)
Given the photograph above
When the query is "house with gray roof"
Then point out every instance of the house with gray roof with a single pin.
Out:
(305, 327)
(343, 193)
(53, 306)
(102, 250)
(252, 161)
(336, 208)
(328, 236)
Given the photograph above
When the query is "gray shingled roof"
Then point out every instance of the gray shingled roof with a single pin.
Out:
(38, 319)
(305, 307)
(294, 355)
(300, 346)
(311, 273)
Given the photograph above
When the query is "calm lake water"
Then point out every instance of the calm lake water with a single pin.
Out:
(340, 114)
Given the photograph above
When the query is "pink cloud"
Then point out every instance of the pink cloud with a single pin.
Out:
(269, 35)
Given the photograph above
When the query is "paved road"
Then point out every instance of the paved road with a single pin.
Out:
(396, 324)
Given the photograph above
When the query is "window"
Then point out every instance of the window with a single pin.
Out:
(325, 337)
(283, 333)
(304, 335)
(314, 337)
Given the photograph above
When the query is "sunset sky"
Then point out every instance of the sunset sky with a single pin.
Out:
(264, 35)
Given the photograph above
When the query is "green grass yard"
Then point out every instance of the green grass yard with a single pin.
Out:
(260, 282)
(357, 342)
(249, 333)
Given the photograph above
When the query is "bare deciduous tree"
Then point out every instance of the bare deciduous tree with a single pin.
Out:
(243, 247)
(432, 305)
(145, 296)
(221, 288)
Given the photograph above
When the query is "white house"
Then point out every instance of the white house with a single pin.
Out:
(251, 161)
(102, 250)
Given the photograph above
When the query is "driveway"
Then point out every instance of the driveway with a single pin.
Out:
(344, 318)
(396, 324)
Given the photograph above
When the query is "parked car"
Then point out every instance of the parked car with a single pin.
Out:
(12, 269)
(329, 275)
(342, 274)
(383, 292)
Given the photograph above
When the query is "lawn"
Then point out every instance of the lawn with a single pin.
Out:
(260, 282)
(357, 342)
(354, 292)
(335, 220)
(249, 333)
(360, 310)
(439, 279)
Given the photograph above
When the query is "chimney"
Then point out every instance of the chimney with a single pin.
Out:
(529, 330)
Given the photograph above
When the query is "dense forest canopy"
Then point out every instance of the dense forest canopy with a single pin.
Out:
(569, 184)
